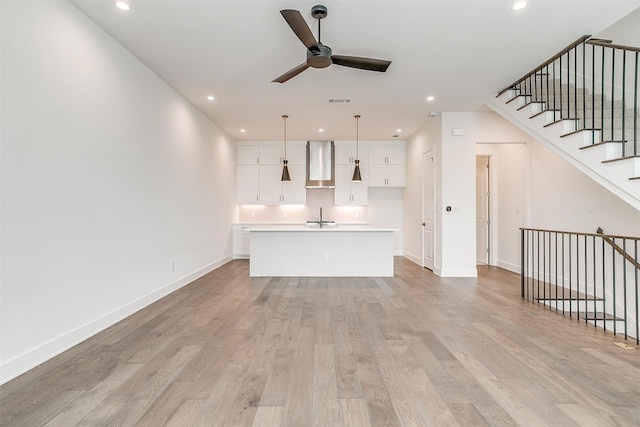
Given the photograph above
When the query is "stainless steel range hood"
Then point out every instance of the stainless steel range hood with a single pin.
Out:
(320, 164)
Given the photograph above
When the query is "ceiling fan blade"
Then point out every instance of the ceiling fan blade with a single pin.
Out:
(300, 27)
(291, 73)
(370, 64)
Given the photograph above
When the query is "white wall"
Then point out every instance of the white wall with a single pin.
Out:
(625, 31)
(428, 137)
(455, 186)
(563, 198)
(110, 184)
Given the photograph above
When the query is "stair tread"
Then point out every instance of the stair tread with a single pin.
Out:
(516, 97)
(598, 144)
(599, 315)
(560, 121)
(549, 292)
(530, 103)
(578, 131)
(620, 158)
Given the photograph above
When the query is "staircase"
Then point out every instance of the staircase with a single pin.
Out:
(591, 277)
(584, 104)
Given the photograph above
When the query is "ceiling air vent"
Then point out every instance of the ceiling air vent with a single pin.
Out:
(339, 100)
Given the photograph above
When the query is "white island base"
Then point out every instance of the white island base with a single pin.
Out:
(321, 252)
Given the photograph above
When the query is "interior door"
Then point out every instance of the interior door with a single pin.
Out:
(482, 209)
(428, 209)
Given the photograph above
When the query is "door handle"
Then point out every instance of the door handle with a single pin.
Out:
(423, 224)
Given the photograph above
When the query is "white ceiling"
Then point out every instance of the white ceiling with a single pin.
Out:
(461, 52)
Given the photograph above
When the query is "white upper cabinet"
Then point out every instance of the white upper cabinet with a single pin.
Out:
(248, 155)
(259, 169)
(387, 165)
(348, 192)
(387, 154)
(346, 153)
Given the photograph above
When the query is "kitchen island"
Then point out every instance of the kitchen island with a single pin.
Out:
(339, 251)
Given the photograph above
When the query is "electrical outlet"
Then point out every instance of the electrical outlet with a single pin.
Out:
(173, 266)
(326, 256)
(357, 215)
(253, 214)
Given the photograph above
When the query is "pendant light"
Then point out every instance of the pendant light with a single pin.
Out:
(357, 177)
(285, 169)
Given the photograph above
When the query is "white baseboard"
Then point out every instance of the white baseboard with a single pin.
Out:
(458, 272)
(412, 257)
(508, 266)
(20, 364)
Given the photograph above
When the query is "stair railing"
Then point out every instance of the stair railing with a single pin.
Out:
(594, 83)
(593, 277)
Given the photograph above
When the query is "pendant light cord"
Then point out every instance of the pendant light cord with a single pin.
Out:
(284, 116)
(357, 116)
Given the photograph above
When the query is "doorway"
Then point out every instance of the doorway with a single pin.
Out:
(483, 209)
(428, 209)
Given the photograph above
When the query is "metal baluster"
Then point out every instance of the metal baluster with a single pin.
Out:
(602, 99)
(604, 283)
(595, 281)
(636, 143)
(624, 141)
(570, 281)
(561, 107)
(613, 92)
(624, 282)
(563, 270)
(556, 257)
(578, 276)
(593, 94)
(522, 264)
(554, 88)
(544, 266)
(584, 86)
(575, 83)
(586, 280)
(546, 103)
(538, 268)
(636, 293)
(613, 269)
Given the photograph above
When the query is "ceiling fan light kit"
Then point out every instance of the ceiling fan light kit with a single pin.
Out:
(318, 54)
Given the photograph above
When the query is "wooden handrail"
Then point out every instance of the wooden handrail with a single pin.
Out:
(606, 43)
(621, 251)
(596, 234)
(545, 63)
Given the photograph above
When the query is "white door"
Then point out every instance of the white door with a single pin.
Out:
(482, 209)
(428, 209)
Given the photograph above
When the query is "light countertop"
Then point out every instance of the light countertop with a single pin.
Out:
(315, 228)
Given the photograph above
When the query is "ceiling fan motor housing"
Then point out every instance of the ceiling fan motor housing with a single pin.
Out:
(319, 11)
(319, 58)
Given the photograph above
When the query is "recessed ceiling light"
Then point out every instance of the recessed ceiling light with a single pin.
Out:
(399, 130)
(210, 98)
(122, 5)
(519, 5)
(242, 130)
(430, 98)
(320, 130)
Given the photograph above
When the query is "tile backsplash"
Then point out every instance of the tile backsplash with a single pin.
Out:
(316, 198)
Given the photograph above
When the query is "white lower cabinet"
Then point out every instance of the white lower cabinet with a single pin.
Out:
(348, 192)
(240, 241)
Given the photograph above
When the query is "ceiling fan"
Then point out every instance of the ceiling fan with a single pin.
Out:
(318, 54)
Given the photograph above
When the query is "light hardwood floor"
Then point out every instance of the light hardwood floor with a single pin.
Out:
(412, 350)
